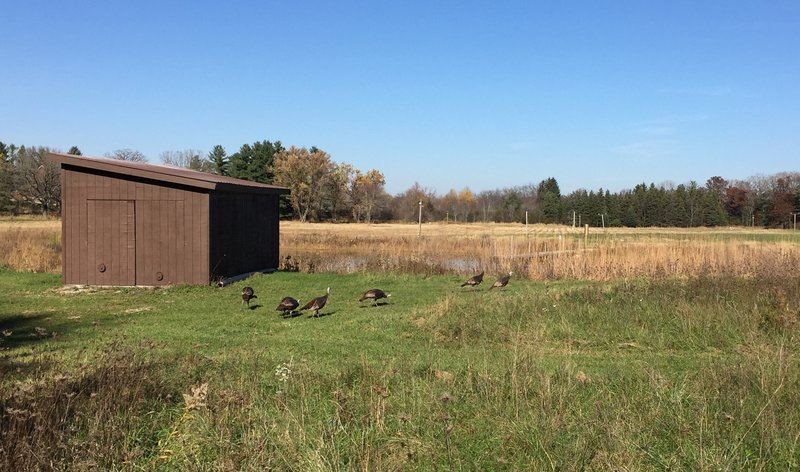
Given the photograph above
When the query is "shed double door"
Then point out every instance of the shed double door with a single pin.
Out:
(159, 242)
(134, 242)
(111, 242)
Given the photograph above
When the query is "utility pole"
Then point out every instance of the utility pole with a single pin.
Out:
(573, 218)
(419, 233)
(794, 225)
(603, 219)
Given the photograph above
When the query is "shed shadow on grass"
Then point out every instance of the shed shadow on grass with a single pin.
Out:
(17, 331)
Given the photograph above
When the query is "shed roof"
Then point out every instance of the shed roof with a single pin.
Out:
(163, 173)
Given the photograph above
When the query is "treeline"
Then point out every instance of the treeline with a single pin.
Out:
(324, 190)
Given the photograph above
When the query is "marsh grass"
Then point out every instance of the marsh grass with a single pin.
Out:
(30, 249)
(541, 252)
(691, 374)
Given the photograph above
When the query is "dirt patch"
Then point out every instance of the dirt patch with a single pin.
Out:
(131, 311)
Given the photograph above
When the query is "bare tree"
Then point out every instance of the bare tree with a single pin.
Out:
(38, 180)
(336, 189)
(127, 155)
(188, 159)
(405, 206)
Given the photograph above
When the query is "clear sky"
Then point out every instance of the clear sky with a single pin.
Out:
(450, 94)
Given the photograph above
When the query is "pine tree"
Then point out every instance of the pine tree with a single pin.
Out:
(254, 162)
(219, 158)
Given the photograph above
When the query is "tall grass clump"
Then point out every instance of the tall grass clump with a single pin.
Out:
(100, 416)
(649, 375)
(30, 249)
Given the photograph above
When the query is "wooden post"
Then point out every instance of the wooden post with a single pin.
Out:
(419, 233)
(585, 236)
(526, 223)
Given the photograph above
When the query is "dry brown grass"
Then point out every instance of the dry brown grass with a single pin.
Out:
(97, 417)
(31, 245)
(541, 251)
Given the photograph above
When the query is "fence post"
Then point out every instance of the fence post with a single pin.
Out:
(526, 223)
(585, 236)
(419, 233)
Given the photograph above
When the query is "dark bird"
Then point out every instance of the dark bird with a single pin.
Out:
(287, 305)
(375, 294)
(474, 281)
(247, 295)
(502, 281)
(318, 303)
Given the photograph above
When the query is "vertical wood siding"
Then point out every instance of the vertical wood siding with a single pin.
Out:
(244, 233)
(111, 242)
(136, 229)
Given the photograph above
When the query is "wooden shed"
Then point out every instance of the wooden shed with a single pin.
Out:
(128, 223)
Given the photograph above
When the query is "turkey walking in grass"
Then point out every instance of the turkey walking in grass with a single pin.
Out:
(502, 281)
(247, 295)
(287, 305)
(474, 281)
(318, 303)
(375, 294)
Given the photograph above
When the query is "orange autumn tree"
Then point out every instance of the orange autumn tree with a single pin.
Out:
(367, 194)
(305, 172)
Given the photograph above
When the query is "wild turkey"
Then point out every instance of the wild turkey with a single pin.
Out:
(247, 295)
(474, 281)
(375, 294)
(287, 305)
(502, 281)
(318, 303)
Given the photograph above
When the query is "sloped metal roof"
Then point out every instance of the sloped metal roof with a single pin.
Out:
(163, 173)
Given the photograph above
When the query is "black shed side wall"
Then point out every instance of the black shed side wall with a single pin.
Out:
(243, 234)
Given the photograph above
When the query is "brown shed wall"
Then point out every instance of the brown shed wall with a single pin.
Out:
(244, 233)
(128, 231)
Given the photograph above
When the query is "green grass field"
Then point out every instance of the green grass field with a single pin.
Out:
(697, 374)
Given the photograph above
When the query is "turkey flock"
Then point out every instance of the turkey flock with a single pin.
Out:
(290, 306)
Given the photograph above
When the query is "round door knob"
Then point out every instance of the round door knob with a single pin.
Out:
(101, 267)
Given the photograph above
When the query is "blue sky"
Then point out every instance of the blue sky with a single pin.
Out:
(449, 94)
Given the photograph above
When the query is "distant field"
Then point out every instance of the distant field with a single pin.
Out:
(538, 252)
(542, 252)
